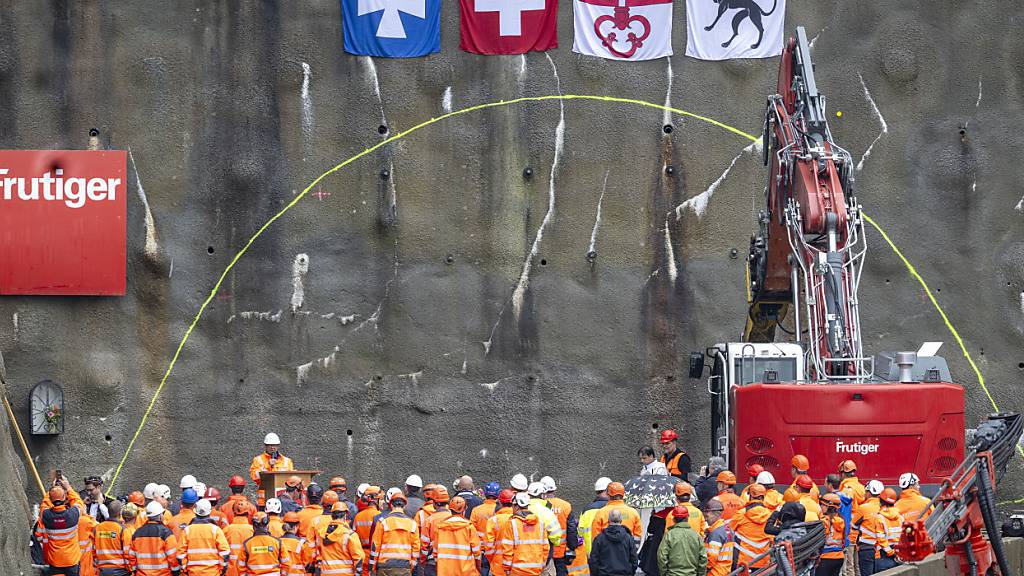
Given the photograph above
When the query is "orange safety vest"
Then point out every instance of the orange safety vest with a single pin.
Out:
(276, 526)
(579, 566)
(262, 555)
(720, 545)
(111, 546)
(457, 547)
(730, 503)
(696, 520)
(180, 520)
(154, 550)
(429, 532)
(203, 549)
(834, 526)
(57, 531)
(339, 550)
(481, 514)
(395, 543)
(261, 463)
(236, 534)
(363, 524)
(562, 510)
(888, 527)
(524, 546)
(492, 542)
(867, 509)
(306, 516)
(671, 465)
(129, 531)
(855, 490)
(793, 495)
(751, 540)
(87, 566)
(228, 507)
(630, 519)
(911, 503)
(422, 515)
(298, 554)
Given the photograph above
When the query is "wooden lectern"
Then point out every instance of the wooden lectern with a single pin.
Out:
(272, 484)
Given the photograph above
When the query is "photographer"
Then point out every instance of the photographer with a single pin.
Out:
(95, 501)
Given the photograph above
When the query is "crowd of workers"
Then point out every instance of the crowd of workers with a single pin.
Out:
(522, 529)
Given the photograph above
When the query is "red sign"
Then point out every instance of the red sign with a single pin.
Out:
(508, 26)
(62, 222)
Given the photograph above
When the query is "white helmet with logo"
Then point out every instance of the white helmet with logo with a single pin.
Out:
(875, 487)
(765, 478)
(203, 508)
(909, 479)
(536, 489)
(273, 506)
(549, 484)
(163, 491)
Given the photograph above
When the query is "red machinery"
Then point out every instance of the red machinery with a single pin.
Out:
(817, 394)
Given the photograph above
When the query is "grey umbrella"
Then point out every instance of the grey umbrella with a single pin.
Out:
(651, 491)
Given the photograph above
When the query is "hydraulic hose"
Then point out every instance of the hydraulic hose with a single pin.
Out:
(988, 514)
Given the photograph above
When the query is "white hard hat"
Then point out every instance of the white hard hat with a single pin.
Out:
(549, 484)
(519, 482)
(187, 481)
(765, 478)
(602, 484)
(154, 509)
(272, 439)
(163, 491)
(875, 487)
(391, 492)
(536, 489)
(203, 508)
(273, 506)
(361, 489)
(200, 489)
(522, 499)
(414, 480)
(909, 479)
(150, 490)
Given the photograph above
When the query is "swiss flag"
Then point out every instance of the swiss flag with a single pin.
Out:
(508, 26)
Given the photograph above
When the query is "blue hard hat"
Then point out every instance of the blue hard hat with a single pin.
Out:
(189, 496)
(492, 489)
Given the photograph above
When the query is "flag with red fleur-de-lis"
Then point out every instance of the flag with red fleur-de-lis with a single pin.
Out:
(623, 29)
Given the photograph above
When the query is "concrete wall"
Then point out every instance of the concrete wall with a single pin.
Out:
(406, 350)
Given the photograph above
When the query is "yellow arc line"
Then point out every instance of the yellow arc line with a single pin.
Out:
(403, 134)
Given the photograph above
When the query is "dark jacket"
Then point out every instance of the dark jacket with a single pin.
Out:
(706, 488)
(415, 503)
(472, 501)
(614, 553)
(598, 503)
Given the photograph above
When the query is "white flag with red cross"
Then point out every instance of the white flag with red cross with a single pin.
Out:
(623, 29)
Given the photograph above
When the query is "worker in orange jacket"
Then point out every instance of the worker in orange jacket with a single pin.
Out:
(128, 514)
(911, 502)
(428, 556)
(630, 517)
(153, 547)
(57, 529)
(484, 512)
(798, 466)
(271, 460)
(695, 518)
(811, 507)
(563, 512)
(273, 509)
(300, 552)
(831, 561)
(456, 543)
(338, 550)
(261, 553)
(726, 481)
(748, 526)
(524, 541)
(395, 544)
(850, 484)
(312, 510)
(363, 523)
(203, 549)
(752, 471)
(888, 527)
(492, 534)
(237, 486)
(428, 508)
(867, 509)
(189, 498)
(212, 495)
(720, 540)
(87, 564)
(111, 546)
(237, 533)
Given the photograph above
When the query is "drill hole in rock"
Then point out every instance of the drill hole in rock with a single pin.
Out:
(209, 249)
(348, 432)
(93, 132)
(543, 262)
(382, 129)
(108, 438)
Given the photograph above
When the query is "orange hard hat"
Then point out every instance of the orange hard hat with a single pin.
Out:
(616, 489)
(291, 518)
(847, 466)
(804, 481)
(726, 477)
(337, 481)
(831, 499)
(260, 519)
(458, 505)
(800, 462)
(428, 492)
(371, 493)
(440, 494)
(339, 507)
(506, 495)
(683, 488)
(236, 480)
(756, 491)
(888, 496)
(293, 482)
(668, 436)
(329, 498)
(754, 469)
(57, 494)
(137, 498)
(398, 495)
(242, 508)
(680, 512)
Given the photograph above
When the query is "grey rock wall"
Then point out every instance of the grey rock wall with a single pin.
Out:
(376, 326)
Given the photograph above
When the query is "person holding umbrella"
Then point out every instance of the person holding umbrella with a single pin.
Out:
(654, 497)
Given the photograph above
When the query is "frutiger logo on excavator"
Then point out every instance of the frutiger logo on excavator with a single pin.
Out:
(855, 448)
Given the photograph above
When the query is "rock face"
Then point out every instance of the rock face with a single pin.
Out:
(431, 306)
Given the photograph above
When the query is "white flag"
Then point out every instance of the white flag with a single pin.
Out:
(726, 29)
(623, 29)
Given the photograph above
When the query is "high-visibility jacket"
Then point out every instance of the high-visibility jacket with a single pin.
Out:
(306, 516)
(154, 550)
(579, 566)
(228, 507)
(696, 520)
(339, 551)
(492, 539)
(180, 520)
(457, 547)
(792, 494)
(262, 555)
(427, 552)
(720, 547)
(751, 540)
(261, 463)
(678, 464)
(129, 531)
(363, 525)
(556, 535)
(276, 526)
(219, 518)
(111, 546)
(562, 511)
(395, 543)
(203, 549)
(87, 565)
(422, 515)
(911, 502)
(298, 554)
(772, 498)
(867, 509)
(481, 514)
(57, 530)
(834, 541)
(237, 533)
(586, 524)
(888, 525)
(811, 508)
(855, 490)
(730, 503)
(630, 519)
(524, 546)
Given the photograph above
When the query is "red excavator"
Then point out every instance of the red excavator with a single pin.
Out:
(814, 391)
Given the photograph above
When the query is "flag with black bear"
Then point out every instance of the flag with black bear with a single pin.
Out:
(727, 29)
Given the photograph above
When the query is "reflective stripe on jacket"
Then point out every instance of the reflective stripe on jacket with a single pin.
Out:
(203, 549)
(339, 550)
(492, 538)
(263, 555)
(525, 543)
(720, 545)
(630, 519)
(236, 534)
(57, 531)
(395, 543)
(110, 546)
(562, 511)
(154, 550)
(298, 555)
(306, 517)
(750, 538)
(457, 547)
(834, 541)
(87, 565)
(481, 514)
(545, 515)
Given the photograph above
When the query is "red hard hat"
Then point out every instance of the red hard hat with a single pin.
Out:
(888, 496)
(668, 436)
(804, 481)
(754, 469)
(800, 462)
(236, 480)
(506, 495)
(212, 494)
(680, 512)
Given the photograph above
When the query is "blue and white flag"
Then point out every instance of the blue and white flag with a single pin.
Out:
(391, 28)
